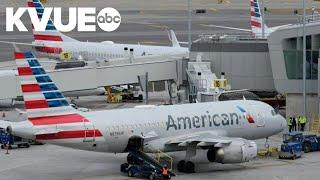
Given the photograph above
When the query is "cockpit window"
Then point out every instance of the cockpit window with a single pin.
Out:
(273, 112)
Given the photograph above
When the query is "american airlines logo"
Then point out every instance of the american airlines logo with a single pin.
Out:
(202, 121)
(85, 19)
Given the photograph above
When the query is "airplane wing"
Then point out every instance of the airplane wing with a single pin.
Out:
(225, 27)
(18, 43)
(202, 139)
(279, 27)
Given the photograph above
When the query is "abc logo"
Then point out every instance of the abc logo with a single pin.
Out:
(109, 19)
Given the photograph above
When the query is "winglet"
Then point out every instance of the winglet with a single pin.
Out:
(173, 38)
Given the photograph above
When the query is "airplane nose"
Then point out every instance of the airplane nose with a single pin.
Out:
(283, 122)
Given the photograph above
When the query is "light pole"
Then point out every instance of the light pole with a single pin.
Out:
(262, 14)
(318, 88)
(304, 61)
(189, 25)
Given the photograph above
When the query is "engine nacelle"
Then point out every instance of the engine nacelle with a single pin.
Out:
(237, 152)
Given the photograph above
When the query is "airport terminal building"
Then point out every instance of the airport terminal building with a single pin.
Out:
(268, 64)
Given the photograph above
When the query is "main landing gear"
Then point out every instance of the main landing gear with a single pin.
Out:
(186, 165)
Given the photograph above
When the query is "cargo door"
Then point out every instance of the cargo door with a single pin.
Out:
(89, 132)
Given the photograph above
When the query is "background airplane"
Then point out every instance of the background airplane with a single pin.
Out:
(53, 43)
(224, 129)
(255, 22)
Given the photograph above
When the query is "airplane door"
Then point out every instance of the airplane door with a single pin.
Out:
(89, 132)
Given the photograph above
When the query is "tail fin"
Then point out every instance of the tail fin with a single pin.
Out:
(47, 109)
(44, 103)
(173, 38)
(51, 34)
(256, 18)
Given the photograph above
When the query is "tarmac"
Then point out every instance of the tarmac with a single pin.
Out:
(57, 163)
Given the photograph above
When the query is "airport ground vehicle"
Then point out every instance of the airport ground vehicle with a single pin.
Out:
(290, 150)
(140, 164)
(13, 141)
(309, 142)
(141, 170)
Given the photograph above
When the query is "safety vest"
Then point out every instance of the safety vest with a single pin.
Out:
(303, 120)
(165, 171)
(289, 121)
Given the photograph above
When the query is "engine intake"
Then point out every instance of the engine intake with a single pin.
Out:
(237, 152)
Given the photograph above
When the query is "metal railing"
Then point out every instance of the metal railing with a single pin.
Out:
(161, 157)
(312, 18)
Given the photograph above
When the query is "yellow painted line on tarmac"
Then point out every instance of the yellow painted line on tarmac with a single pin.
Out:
(213, 9)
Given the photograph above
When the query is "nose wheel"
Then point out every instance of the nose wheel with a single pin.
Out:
(186, 166)
(266, 144)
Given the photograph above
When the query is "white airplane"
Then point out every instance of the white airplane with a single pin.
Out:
(224, 129)
(255, 21)
(53, 43)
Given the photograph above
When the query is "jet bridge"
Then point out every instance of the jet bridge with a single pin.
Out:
(204, 85)
(103, 73)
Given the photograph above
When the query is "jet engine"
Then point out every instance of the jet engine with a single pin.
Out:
(5, 125)
(237, 152)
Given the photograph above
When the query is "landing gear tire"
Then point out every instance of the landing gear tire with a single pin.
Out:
(123, 167)
(181, 165)
(130, 173)
(151, 177)
(130, 159)
(306, 147)
(189, 167)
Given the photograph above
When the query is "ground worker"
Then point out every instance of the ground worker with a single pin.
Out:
(165, 172)
(289, 123)
(302, 122)
(294, 123)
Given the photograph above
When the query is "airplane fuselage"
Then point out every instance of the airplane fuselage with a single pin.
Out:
(116, 127)
(106, 50)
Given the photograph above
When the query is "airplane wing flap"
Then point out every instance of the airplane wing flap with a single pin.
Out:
(202, 139)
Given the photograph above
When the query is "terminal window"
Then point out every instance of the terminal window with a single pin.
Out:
(293, 59)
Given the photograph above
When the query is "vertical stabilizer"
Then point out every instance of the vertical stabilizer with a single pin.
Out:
(256, 19)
